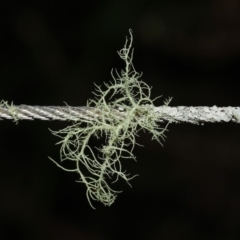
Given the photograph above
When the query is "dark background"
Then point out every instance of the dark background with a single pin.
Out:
(53, 52)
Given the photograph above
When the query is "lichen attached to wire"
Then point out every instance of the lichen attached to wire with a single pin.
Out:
(11, 109)
(126, 108)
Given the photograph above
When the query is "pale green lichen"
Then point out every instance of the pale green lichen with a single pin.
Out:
(11, 109)
(128, 95)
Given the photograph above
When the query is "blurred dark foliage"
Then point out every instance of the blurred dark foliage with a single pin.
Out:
(53, 52)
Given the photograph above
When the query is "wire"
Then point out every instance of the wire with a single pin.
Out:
(26, 112)
(193, 115)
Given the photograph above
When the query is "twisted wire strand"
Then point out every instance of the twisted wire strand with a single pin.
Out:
(47, 113)
(193, 115)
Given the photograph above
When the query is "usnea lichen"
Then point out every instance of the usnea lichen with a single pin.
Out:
(11, 108)
(126, 108)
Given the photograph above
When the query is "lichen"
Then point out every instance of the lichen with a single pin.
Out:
(11, 109)
(126, 108)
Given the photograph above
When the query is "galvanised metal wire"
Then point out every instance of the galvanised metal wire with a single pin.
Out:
(193, 115)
